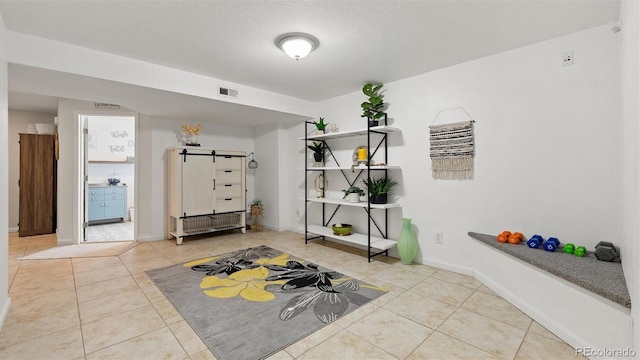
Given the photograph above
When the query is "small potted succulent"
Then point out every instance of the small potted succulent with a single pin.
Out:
(373, 109)
(318, 149)
(320, 126)
(379, 188)
(353, 194)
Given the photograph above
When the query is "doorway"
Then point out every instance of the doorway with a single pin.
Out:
(109, 177)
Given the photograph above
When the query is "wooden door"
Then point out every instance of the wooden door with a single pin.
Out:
(198, 185)
(37, 205)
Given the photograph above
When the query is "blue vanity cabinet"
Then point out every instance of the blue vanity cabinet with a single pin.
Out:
(107, 202)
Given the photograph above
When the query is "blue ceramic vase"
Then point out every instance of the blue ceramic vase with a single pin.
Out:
(407, 243)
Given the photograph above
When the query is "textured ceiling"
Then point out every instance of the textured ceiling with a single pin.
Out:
(360, 41)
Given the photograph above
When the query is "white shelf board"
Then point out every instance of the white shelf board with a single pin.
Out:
(318, 168)
(358, 204)
(354, 238)
(342, 134)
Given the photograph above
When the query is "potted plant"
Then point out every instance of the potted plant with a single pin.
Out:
(320, 126)
(353, 193)
(373, 109)
(379, 188)
(256, 214)
(318, 149)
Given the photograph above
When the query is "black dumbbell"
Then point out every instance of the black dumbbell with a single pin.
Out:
(606, 251)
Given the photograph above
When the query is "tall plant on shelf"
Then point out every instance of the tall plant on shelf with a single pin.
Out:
(373, 109)
(379, 188)
(318, 149)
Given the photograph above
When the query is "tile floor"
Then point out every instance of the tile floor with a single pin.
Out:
(107, 308)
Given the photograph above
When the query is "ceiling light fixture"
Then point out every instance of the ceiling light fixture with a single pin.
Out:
(297, 45)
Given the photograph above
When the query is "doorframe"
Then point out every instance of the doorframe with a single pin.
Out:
(80, 194)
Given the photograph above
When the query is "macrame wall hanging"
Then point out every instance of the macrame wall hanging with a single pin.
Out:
(452, 149)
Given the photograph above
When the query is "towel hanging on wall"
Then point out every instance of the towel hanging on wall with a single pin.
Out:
(452, 151)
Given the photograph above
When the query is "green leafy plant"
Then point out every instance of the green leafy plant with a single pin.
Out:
(372, 109)
(317, 147)
(320, 124)
(379, 185)
(256, 202)
(353, 189)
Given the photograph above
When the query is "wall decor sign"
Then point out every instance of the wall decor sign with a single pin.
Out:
(452, 150)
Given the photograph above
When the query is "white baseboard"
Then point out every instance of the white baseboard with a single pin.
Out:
(143, 238)
(448, 266)
(13, 229)
(5, 312)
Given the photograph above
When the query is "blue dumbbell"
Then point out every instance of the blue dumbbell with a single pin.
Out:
(551, 244)
(535, 241)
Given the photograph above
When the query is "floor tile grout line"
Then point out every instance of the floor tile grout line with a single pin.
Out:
(522, 341)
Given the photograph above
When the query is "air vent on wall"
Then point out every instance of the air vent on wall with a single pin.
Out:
(227, 92)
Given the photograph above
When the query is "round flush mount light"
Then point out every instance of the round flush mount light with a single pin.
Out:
(297, 45)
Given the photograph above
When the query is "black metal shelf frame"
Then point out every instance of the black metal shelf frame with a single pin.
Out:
(382, 143)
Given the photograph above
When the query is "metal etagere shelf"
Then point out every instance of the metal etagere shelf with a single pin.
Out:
(376, 135)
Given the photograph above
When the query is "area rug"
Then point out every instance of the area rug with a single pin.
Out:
(251, 303)
(83, 250)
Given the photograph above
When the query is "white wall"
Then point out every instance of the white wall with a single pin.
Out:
(549, 158)
(5, 301)
(630, 75)
(547, 142)
(18, 121)
(268, 175)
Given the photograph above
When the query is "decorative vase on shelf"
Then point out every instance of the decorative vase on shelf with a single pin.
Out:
(192, 139)
(407, 243)
(353, 197)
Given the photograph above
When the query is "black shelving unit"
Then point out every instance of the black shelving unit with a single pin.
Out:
(376, 136)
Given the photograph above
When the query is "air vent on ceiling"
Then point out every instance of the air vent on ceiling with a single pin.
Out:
(227, 92)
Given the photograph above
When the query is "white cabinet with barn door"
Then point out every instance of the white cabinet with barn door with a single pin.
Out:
(206, 191)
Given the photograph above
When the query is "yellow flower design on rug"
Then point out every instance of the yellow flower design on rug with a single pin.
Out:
(248, 283)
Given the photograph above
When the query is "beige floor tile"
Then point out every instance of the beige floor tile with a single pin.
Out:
(53, 267)
(428, 312)
(143, 280)
(486, 334)
(392, 291)
(485, 289)
(345, 345)
(425, 270)
(539, 347)
(442, 347)
(109, 273)
(135, 267)
(111, 330)
(111, 305)
(99, 289)
(307, 343)
(64, 344)
(81, 265)
(356, 315)
(458, 279)
(399, 277)
(280, 355)
(188, 338)
(159, 344)
(203, 355)
(497, 308)
(443, 291)
(168, 312)
(153, 293)
(542, 331)
(39, 316)
(391, 332)
(37, 283)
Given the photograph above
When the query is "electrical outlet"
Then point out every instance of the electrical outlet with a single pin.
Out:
(439, 238)
(567, 58)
